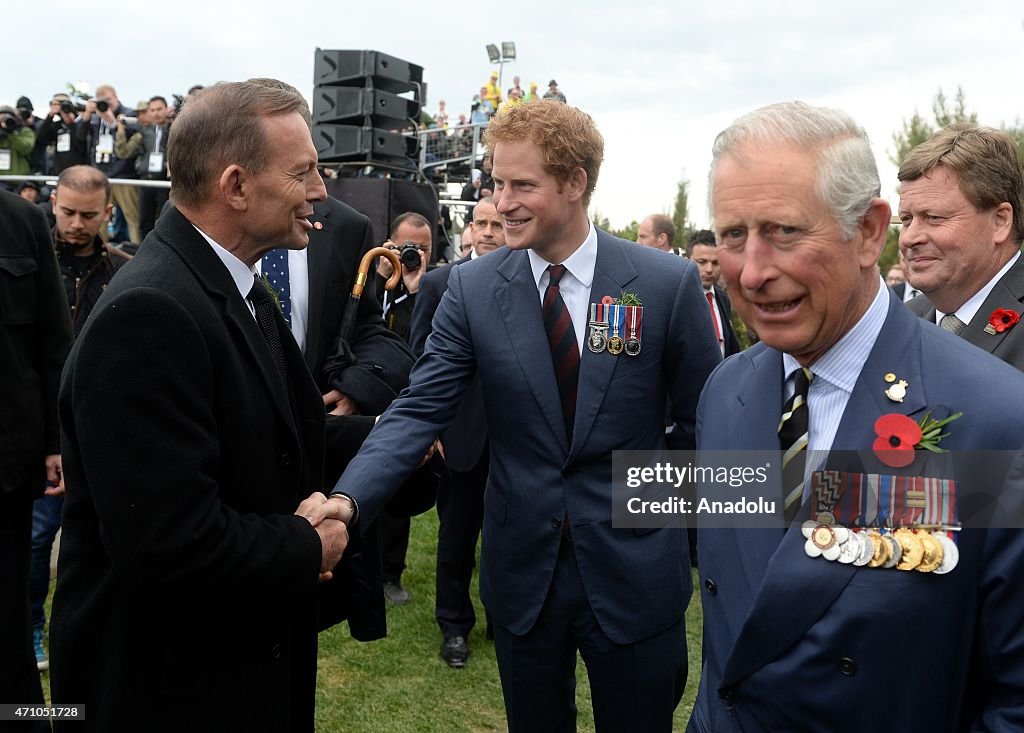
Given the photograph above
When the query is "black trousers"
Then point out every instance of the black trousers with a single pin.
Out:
(460, 512)
(396, 545)
(19, 678)
(634, 687)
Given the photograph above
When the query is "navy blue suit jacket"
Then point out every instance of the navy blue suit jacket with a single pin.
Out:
(799, 644)
(489, 322)
(465, 438)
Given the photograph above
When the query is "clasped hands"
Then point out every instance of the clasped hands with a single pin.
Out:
(330, 518)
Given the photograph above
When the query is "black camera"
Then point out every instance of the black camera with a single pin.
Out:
(24, 114)
(8, 122)
(409, 253)
(68, 108)
(102, 105)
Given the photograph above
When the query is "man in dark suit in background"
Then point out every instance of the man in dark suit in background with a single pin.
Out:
(962, 208)
(792, 640)
(702, 252)
(197, 540)
(35, 334)
(460, 499)
(557, 577)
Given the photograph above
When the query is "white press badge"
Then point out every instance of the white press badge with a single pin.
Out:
(64, 142)
(156, 162)
(105, 146)
(5, 159)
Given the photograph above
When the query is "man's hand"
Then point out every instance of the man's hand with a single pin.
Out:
(342, 403)
(329, 518)
(54, 476)
(333, 541)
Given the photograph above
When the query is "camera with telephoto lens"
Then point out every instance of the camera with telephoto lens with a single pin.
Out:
(8, 121)
(409, 253)
(102, 105)
(68, 108)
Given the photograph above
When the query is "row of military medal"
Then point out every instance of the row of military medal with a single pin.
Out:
(904, 548)
(615, 327)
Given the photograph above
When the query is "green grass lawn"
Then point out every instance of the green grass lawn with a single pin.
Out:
(400, 685)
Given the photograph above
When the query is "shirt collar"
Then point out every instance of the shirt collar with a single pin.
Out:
(241, 273)
(970, 309)
(841, 365)
(580, 263)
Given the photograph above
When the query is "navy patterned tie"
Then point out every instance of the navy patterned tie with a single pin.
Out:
(793, 437)
(275, 268)
(565, 353)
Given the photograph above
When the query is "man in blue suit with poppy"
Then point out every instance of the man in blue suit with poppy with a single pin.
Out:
(799, 635)
(562, 390)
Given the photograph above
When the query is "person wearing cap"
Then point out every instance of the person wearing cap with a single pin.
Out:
(492, 92)
(29, 190)
(70, 142)
(16, 142)
(554, 92)
(532, 94)
(25, 111)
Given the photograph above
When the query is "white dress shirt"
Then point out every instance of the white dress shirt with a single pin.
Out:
(575, 284)
(970, 309)
(835, 374)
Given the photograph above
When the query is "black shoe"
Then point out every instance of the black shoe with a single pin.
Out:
(455, 651)
(395, 593)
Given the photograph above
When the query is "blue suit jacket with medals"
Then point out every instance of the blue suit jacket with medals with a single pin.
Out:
(794, 643)
(489, 322)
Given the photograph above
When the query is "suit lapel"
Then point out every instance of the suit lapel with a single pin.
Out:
(318, 256)
(797, 590)
(612, 273)
(519, 303)
(760, 399)
(1007, 293)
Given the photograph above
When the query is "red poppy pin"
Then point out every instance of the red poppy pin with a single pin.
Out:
(1001, 320)
(899, 436)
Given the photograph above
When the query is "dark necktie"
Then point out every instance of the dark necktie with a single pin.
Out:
(275, 268)
(793, 429)
(565, 353)
(952, 324)
(264, 307)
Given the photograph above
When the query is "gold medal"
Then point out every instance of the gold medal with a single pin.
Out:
(933, 553)
(880, 550)
(913, 549)
(615, 344)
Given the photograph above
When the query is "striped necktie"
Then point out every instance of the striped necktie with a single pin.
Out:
(793, 429)
(565, 353)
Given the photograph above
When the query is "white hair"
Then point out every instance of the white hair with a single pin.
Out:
(847, 177)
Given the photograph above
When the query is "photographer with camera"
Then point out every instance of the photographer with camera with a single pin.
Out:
(25, 111)
(100, 117)
(149, 149)
(16, 142)
(71, 142)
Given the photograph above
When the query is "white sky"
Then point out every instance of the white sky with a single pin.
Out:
(660, 78)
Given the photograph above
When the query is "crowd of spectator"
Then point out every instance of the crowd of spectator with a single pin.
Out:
(99, 131)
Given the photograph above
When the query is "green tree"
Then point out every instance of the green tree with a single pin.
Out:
(917, 130)
(629, 233)
(680, 213)
(601, 222)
